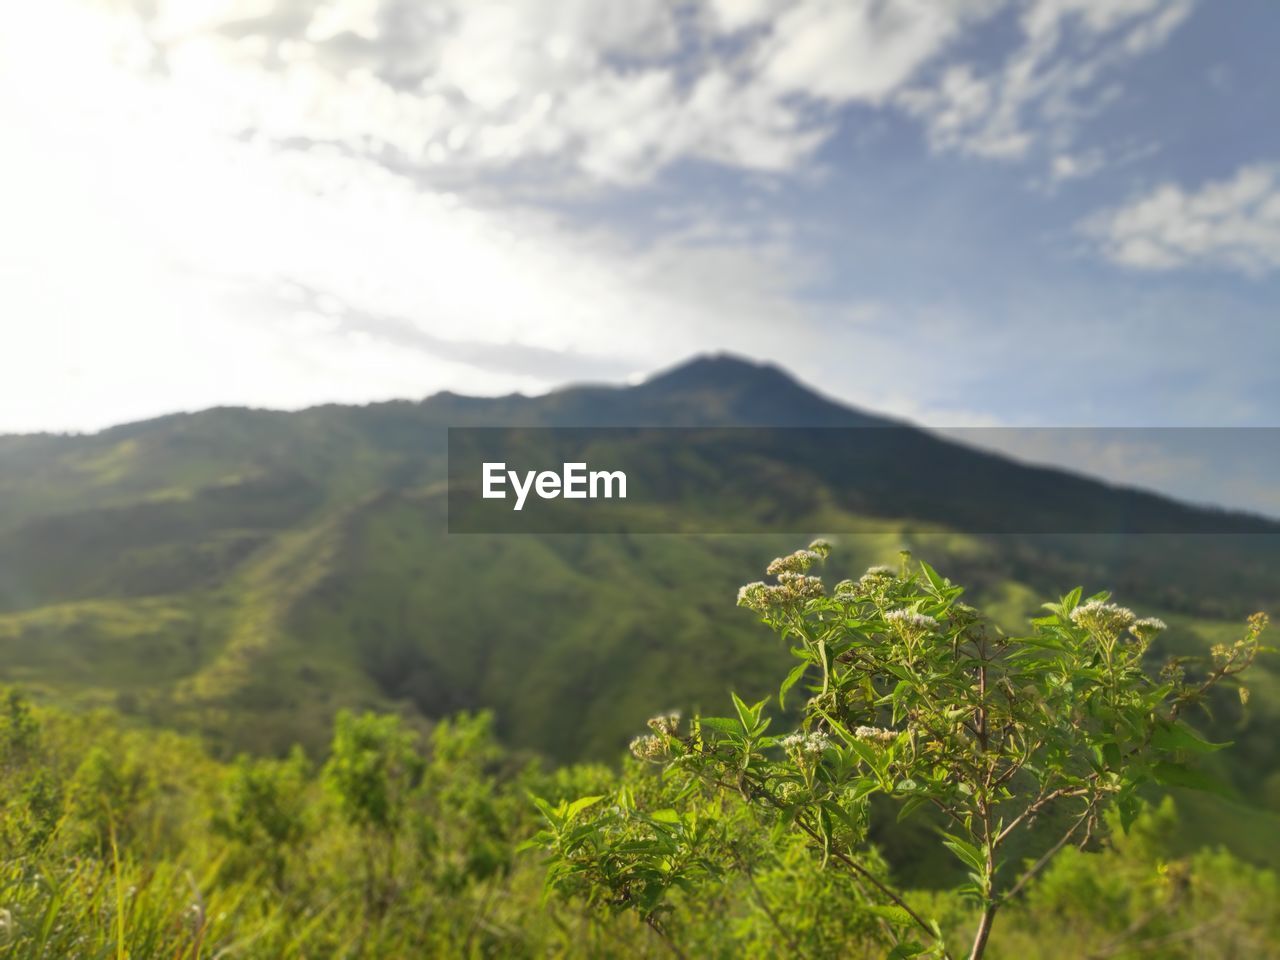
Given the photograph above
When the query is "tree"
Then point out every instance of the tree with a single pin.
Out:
(916, 696)
(263, 809)
(373, 768)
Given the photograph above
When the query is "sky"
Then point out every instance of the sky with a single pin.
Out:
(962, 212)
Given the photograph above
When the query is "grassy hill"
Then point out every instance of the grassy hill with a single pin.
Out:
(245, 573)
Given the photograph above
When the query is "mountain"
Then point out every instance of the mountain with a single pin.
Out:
(245, 573)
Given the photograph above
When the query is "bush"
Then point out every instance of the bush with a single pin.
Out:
(913, 696)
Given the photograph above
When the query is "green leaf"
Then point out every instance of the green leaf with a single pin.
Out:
(867, 755)
(966, 851)
(546, 809)
(1111, 755)
(723, 724)
(844, 816)
(938, 583)
(582, 803)
(1180, 775)
(537, 842)
(1047, 643)
(792, 679)
(905, 950)
(899, 671)
(894, 914)
(1129, 806)
(910, 806)
(1181, 737)
(876, 761)
(864, 787)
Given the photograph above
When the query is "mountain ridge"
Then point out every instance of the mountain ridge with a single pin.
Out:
(246, 572)
(711, 370)
(743, 392)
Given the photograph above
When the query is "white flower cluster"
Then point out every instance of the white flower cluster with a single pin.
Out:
(806, 745)
(877, 578)
(797, 562)
(793, 583)
(910, 622)
(800, 586)
(790, 587)
(1147, 628)
(1104, 618)
(649, 747)
(876, 734)
(665, 724)
(846, 591)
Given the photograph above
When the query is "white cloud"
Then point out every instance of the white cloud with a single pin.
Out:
(149, 263)
(618, 90)
(1055, 78)
(614, 89)
(840, 51)
(1231, 224)
(1074, 166)
(283, 202)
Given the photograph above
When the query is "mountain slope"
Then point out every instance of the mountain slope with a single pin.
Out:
(245, 572)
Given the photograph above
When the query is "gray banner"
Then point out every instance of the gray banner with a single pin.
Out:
(838, 480)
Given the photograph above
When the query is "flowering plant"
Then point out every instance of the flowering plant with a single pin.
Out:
(915, 696)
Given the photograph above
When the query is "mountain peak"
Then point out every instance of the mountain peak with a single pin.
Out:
(730, 389)
(722, 370)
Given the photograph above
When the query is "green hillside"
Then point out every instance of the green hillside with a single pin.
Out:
(244, 574)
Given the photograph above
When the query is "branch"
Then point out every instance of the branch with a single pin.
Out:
(1049, 854)
(758, 896)
(662, 935)
(955, 818)
(1036, 806)
(844, 858)
(868, 875)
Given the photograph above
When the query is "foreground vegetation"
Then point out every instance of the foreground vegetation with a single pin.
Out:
(122, 843)
(919, 699)
(716, 840)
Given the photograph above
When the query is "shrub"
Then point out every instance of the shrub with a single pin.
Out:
(914, 696)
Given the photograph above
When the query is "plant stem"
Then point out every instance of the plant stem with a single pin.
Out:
(866, 874)
(763, 903)
(1034, 870)
(761, 793)
(662, 935)
(984, 931)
